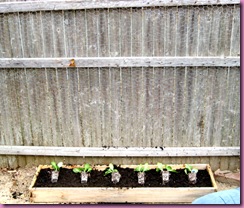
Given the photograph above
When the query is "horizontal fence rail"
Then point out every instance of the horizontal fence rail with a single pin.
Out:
(118, 62)
(120, 152)
(52, 5)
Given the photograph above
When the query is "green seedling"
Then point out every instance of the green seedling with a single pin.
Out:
(110, 170)
(161, 167)
(142, 168)
(190, 169)
(87, 168)
(55, 166)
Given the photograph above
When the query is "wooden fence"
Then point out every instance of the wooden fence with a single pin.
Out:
(121, 74)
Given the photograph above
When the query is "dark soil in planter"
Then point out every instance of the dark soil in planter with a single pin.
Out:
(67, 178)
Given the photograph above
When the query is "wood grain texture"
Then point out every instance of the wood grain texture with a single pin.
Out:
(119, 62)
(70, 5)
(198, 30)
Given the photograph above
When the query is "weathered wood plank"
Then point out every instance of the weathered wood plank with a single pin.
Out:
(136, 32)
(168, 111)
(192, 31)
(119, 62)
(6, 7)
(205, 20)
(120, 151)
(235, 33)
(80, 33)
(170, 35)
(5, 39)
(125, 33)
(114, 28)
(159, 31)
(147, 32)
(92, 31)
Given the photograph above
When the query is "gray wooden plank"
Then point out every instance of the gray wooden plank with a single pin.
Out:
(80, 33)
(215, 30)
(179, 106)
(135, 111)
(159, 107)
(125, 32)
(205, 19)
(147, 32)
(235, 34)
(37, 41)
(181, 31)
(102, 24)
(70, 5)
(5, 40)
(201, 97)
(95, 104)
(105, 96)
(190, 105)
(114, 28)
(115, 106)
(136, 32)
(6, 119)
(15, 35)
(120, 151)
(58, 34)
(168, 87)
(69, 24)
(223, 40)
(192, 31)
(63, 103)
(84, 114)
(119, 62)
(170, 35)
(159, 31)
(232, 114)
(47, 27)
(92, 37)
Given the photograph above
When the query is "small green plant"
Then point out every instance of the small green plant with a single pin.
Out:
(87, 168)
(55, 166)
(142, 168)
(190, 169)
(161, 167)
(110, 170)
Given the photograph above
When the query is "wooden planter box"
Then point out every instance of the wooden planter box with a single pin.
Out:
(120, 195)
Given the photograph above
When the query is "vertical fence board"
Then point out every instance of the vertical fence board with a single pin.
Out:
(114, 32)
(47, 25)
(80, 33)
(204, 31)
(58, 34)
(92, 33)
(5, 40)
(168, 103)
(147, 32)
(84, 113)
(181, 31)
(159, 31)
(192, 31)
(178, 105)
(69, 25)
(125, 32)
(235, 33)
(170, 36)
(103, 33)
